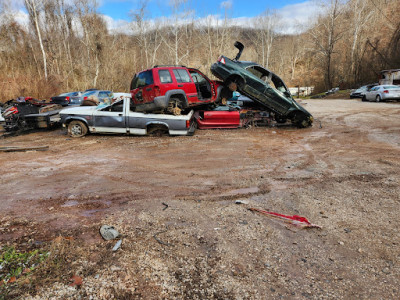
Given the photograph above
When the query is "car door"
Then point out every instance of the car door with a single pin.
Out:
(203, 85)
(220, 119)
(268, 88)
(371, 94)
(110, 119)
(142, 87)
(185, 83)
(135, 122)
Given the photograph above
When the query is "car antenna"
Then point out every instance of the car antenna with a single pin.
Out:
(240, 46)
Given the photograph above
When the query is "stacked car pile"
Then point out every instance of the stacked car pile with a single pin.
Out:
(163, 98)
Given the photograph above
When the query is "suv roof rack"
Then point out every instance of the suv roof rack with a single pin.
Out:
(158, 66)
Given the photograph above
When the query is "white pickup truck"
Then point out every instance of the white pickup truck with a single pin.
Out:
(120, 117)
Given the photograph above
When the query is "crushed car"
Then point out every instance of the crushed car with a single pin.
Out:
(173, 89)
(360, 92)
(66, 99)
(121, 117)
(21, 116)
(239, 112)
(261, 85)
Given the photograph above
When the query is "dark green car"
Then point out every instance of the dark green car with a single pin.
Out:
(261, 85)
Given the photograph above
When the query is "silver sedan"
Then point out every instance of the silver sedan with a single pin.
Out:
(382, 93)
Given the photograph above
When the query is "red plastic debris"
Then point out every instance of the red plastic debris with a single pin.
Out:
(76, 280)
(294, 220)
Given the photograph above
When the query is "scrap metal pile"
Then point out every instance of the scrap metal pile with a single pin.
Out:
(162, 100)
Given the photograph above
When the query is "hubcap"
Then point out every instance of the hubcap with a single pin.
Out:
(76, 130)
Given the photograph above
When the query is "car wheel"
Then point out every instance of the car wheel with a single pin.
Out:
(363, 99)
(175, 107)
(77, 129)
(378, 98)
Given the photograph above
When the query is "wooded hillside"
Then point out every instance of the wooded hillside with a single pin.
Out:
(68, 47)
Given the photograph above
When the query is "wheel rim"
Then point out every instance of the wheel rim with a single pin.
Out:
(76, 130)
(174, 108)
(378, 98)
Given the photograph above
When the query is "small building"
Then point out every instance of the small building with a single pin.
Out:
(301, 90)
(390, 77)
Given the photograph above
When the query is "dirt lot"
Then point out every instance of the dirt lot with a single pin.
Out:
(344, 177)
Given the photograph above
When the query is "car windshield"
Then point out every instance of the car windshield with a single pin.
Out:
(89, 93)
(142, 79)
(71, 94)
(361, 89)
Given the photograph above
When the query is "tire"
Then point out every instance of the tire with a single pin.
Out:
(77, 129)
(363, 99)
(378, 98)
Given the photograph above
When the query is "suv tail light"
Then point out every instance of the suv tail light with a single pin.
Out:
(67, 98)
(187, 123)
(221, 59)
(386, 91)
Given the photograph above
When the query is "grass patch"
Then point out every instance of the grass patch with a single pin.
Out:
(14, 263)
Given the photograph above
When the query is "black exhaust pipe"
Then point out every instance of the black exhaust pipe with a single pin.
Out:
(240, 46)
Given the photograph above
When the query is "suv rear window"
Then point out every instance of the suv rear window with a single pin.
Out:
(181, 76)
(165, 76)
(142, 79)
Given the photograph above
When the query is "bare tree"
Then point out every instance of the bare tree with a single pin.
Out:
(362, 13)
(266, 26)
(326, 34)
(33, 7)
(146, 34)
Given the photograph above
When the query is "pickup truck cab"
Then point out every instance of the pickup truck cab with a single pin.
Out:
(121, 117)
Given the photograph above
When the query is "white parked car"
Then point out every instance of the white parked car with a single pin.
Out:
(382, 93)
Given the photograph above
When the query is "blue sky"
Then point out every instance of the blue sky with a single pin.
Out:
(293, 15)
(119, 9)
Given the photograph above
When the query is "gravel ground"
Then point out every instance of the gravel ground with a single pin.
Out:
(199, 244)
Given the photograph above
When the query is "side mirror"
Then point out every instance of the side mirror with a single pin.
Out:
(240, 46)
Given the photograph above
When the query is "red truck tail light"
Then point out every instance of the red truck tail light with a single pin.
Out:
(221, 59)
(187, 123)
(67, 98)
(85, 98)
(386, 91)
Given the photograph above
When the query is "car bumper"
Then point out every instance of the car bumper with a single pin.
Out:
(159, 103)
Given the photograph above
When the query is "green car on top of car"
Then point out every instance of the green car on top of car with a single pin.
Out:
(261, 85)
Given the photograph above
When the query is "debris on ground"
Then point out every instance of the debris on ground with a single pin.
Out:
(22, 149)
(160, 241)
(117, 246)
(108, 232)
(76, 281)
(241, 202)
(294, 220)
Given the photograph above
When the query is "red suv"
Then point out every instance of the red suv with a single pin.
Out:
(173, 88)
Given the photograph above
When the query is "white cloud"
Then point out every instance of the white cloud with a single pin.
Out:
(117, 26)
(296, 17)
(226, 4)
